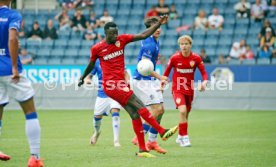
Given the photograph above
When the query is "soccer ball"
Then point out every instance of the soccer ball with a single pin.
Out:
(145, 67)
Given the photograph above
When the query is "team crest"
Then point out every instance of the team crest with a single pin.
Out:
(178, 100)
(192, 63)
(117, 43)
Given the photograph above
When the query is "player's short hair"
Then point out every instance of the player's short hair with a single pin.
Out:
(109, 26)
(186, 37)
(151, 20)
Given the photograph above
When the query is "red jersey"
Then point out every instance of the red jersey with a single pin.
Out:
(111, 57)
(184, 70)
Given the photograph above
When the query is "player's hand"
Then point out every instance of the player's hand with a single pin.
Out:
(164, 19)
(203, 86)
(15, 75)
(81, 82)
(164, 78)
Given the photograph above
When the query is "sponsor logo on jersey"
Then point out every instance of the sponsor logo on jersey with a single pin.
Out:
(2, 52)
(117, 43)
(192, 63)
(113, 55)
(179, 64)
(3, 19)
(185, 71)
(178, 100)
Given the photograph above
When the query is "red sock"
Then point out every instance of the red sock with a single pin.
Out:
(146, 115)
(139, 131)
(183, 129)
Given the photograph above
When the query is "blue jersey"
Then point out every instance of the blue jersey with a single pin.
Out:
(9, 19)
(149, 49)
(98, 70)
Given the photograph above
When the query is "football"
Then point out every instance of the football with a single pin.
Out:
(145, 67)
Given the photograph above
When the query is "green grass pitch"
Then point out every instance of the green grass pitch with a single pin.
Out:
(219, 139)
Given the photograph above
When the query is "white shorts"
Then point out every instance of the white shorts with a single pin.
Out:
(21, 91)
(104, 105)
(148, 91)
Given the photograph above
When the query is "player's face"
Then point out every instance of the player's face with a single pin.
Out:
(157, 33)
(111, 35)
(185, 45)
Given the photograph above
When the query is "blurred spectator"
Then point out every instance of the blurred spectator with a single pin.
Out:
(249, 53)
(267, 24)
(100, 31)
(173, 13)
(221, 59)
(89, 33)
(265, 52)
(201, 21)
(215, 21)
(257, 11)
(68, 4)
(152, 12)
(238, 50)
(268, 40)
(106, 17)
(82, 4)
(92, 20)
(25, 57)
(242, 9)
(162, 8)
(35, 33)
(50, 31)
(63, 19)
(272, 8)
(23, 33)
(204, 57)
(78, 21)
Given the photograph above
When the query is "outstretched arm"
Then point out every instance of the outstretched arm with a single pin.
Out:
(87, 71)
(163, 19)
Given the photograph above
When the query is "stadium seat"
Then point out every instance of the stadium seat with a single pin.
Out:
(84, 53)
(174, 24)
(33, 44)
(222, 50)
(74, 44)
(263, 61)
(44, 53)
(71, 53)
(57, 52)
(40, 61)
(54, 61)
(82, 61)
(68, 61)
(273, 61)
(61, 43)
(249, 62)
(234, 62)
(152, 2)
(47, 44)
(23, 42)
(211, 51)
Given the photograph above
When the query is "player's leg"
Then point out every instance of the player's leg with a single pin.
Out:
(101, 106)
(23, 93)
(115, 110)
(4, 98)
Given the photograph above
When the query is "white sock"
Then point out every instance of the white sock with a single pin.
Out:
(152, 135)
(33, 136)
(116, 125)
(97, 124)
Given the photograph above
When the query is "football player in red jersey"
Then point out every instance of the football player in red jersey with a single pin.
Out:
(111, 54)
(185, 63)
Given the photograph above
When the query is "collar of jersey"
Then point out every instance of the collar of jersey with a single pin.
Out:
(4, 6)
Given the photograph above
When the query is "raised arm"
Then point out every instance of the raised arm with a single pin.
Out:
(148, 32)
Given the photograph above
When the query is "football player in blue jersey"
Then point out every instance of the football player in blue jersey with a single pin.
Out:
(103, 106)
(147, 88)
(13, 79)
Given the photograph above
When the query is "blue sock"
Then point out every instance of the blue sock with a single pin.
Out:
(97, 124)
(146, 128)
(115, 114)
(32, 115)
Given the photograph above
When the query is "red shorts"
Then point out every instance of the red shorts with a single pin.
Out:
(119, 92)
(182, 99)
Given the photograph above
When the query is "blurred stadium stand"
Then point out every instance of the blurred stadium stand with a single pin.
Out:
(70, 48)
